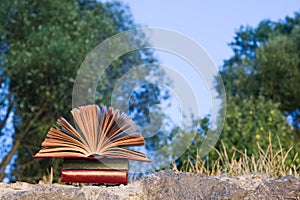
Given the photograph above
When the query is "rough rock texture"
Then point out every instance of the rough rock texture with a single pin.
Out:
(165, 185)
(170, 185)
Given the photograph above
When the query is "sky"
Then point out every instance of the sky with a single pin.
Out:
(212, 24)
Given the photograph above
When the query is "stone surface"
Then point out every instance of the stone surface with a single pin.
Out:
(287, 187)
(165, 185)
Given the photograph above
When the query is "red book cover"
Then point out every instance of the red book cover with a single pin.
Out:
(95, 176)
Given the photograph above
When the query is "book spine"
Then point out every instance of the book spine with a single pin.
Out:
(95, 176)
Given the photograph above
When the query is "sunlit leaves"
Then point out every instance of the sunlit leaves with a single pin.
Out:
(250, 120)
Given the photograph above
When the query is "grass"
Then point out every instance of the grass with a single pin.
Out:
(48, 179)
(270, 162)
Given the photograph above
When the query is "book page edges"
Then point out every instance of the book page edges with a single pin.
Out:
(93, 158)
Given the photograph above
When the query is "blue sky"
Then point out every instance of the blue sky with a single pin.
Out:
(211, 23)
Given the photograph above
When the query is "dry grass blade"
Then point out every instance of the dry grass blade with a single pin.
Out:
(270, 162)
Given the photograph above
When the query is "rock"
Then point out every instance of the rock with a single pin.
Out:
(287, 187)
(170, 185)
(165, 185)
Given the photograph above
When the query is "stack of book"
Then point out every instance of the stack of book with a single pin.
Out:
(95, 152)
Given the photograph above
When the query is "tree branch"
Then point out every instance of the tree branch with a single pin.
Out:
(9, 109)
(16, 145)
(9, 156)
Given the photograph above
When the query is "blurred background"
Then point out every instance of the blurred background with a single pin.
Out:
(254, 44)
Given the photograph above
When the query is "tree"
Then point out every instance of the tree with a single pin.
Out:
(279, 70)
(194, 149)
(47, 41)
(242, 72)
(262, 88)
(250, 121)
(266, 63)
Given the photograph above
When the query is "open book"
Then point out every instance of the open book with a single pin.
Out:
(101, 133)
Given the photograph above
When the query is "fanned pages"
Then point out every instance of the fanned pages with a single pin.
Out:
(101, 133)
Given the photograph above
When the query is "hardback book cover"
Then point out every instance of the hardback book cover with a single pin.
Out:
(95, 176)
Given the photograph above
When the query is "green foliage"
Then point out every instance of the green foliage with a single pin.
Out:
(254, 128)
(47, 41)
(279, 69)
(266, 62)
(186, 141)
(265, 68)
(194, 147)
(250, 121)
(262, 85)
